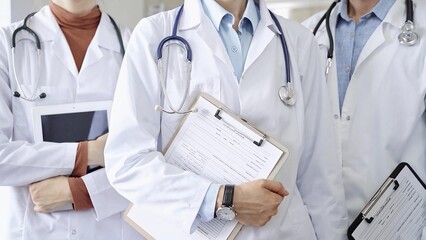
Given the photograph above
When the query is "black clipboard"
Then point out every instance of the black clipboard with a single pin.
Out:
(390, 183)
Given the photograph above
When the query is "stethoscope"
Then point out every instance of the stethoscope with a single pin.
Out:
(24, 27)
(286, 92)
(407, 37)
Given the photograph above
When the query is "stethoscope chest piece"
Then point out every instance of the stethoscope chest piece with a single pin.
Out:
(287, 95)
(408, 37)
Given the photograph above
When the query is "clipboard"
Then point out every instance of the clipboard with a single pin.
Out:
(396, 203)
(71, 122)
(215, 111)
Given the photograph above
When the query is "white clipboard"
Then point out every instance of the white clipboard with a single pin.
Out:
(214, 112)
(396, 211)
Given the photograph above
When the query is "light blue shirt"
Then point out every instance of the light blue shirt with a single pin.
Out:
(351, 38)
(237, 44)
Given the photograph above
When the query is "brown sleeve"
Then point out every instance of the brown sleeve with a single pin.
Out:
(81, 160)
(80, 195)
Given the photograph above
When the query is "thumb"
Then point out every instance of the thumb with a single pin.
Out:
(275, 187)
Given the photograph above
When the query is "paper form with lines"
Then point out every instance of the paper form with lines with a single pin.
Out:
(396, 212)
(216, 144)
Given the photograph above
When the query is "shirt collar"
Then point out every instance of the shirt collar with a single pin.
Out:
(380, 10)
(216, 13)
(252, 15)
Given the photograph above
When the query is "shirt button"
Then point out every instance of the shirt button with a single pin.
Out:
(348, 118)
(347, 69)
(336, 116)
(234, 49)
(73, 232)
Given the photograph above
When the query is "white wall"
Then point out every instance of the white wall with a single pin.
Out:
(14, 10)
(129, 12)
(5, 13)
(297, 10)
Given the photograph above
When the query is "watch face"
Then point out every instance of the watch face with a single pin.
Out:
(225, 213)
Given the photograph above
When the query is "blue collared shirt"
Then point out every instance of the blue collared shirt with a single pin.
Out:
(236, 43)
(351, 38)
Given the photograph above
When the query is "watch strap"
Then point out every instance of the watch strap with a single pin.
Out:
(228, 196)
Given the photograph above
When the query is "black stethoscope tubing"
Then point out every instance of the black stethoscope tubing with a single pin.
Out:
(25, 27)
(326, 17)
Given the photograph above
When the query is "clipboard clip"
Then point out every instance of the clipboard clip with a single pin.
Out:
(376, 197)
(257, 143)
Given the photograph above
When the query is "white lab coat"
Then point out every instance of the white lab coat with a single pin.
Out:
(137, 169)
(22, 162)
(383, 119)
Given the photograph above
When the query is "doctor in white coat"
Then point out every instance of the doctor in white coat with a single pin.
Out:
(313, 208)
(381, 120)
(46, 166)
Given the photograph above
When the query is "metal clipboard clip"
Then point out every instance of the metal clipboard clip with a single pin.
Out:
(257, 143)
(376, 197)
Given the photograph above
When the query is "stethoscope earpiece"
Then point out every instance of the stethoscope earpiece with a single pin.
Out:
(41, 96)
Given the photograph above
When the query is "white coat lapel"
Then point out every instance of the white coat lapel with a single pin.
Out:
(63, 53)
(193, 16)
(394, 19)
(48, 29)
(60, 45)
(263, 35)
(210, 36)
(103, 38)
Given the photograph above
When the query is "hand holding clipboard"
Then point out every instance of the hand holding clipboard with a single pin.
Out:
(216, 144)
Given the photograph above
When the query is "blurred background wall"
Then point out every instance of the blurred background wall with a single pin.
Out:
(129, 12)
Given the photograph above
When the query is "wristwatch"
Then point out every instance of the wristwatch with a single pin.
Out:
(226, 210)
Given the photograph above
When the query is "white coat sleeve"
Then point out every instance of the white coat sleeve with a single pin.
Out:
(105, 199)
(134, 165)
(22, 162)
(319, 176)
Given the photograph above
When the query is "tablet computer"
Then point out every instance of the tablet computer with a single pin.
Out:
(72, 122)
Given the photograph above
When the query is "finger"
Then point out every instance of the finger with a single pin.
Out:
(275, 187)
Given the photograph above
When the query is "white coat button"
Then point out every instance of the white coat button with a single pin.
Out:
(348, 118)
(336, 116)
(347, 69)
(234, 49)
(73, 232)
